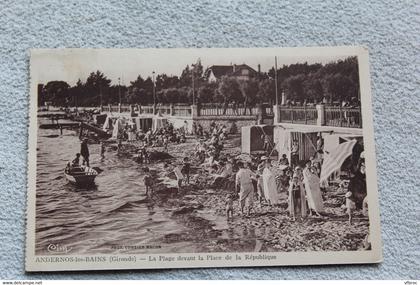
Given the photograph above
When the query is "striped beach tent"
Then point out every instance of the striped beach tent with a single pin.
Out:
(334, 160)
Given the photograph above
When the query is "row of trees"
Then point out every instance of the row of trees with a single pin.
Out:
(335, 81)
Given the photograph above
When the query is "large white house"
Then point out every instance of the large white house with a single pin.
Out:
(241, 72)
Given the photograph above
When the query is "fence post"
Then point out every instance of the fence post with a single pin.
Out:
(306, 117)
(132, 113)
(320, 110)
(291, 114)
(172, 109)
(109, 108)
(194, 111)
(341, 116)
(276, 110)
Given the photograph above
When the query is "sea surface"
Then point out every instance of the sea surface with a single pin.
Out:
(113, 216)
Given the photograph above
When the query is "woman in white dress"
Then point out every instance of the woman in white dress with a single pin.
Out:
(313, 191)
(270, 186)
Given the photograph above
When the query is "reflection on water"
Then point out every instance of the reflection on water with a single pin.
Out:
(102, 219)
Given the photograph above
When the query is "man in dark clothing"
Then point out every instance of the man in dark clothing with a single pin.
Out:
(266, 143)
(186, 169)
(84, 151)
(357, 186)
(76, 162)
(283, 160)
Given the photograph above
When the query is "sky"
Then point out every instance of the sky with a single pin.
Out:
(70, 65)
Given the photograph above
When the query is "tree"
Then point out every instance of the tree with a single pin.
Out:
(267, 91)
(96, 86)
(206, 93)
(230, 90)
(41, 95)
(338, 87)
(293, 86)
(312, 88)
(249, 90)
(140, 91)
(172, 95)
(185, 80)
(56, 92)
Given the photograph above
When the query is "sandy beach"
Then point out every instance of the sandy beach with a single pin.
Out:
(200, 206)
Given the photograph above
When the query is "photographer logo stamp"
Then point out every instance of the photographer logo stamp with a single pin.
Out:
(58, 248)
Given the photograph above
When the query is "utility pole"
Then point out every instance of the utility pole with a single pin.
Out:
(154, 90)
(100, 95)
(193, 87)
(275, 75)
(119, 89)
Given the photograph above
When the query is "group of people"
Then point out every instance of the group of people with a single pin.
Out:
(199, 131)
(263, 180)
(160, 137)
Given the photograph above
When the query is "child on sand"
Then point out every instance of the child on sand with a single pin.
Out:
(229, 206)
(179, 176)
(102, 150)
(165, 143)
(297, 199)
(350, 205)
(119, 145)
(148, 181)
(186, 169)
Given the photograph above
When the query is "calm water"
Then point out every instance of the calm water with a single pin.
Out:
(112, 213)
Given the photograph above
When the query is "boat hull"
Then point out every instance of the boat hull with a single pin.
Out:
(85, 177)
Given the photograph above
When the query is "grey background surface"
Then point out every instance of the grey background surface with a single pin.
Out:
(390, 29)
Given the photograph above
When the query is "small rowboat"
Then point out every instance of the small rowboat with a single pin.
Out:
(80, 175)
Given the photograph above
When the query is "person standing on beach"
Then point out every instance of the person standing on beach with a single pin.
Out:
(186, 169)
(294, 154)
(165, 143)
(266, 143)
(84, 151)
(102, 150)
(313, 191)
(148, 181)
(229, 206)
(260, 183)
(245, 187)
(297, 200)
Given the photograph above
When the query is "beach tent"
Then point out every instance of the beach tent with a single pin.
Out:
(107, 123)
(335, 158)
(99, 119)
(143, 124)
(158, 122)
(251, 137)
(283, 139)
(118, 128)
(331, 141)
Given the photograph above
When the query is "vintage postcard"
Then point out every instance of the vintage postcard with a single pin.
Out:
(180, 158)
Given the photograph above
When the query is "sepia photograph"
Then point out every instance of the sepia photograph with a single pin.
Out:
(152, 158)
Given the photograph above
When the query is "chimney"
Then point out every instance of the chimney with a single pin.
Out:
(259, 69)
(234, 67)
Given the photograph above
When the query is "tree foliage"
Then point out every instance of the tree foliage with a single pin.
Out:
(301, 82)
